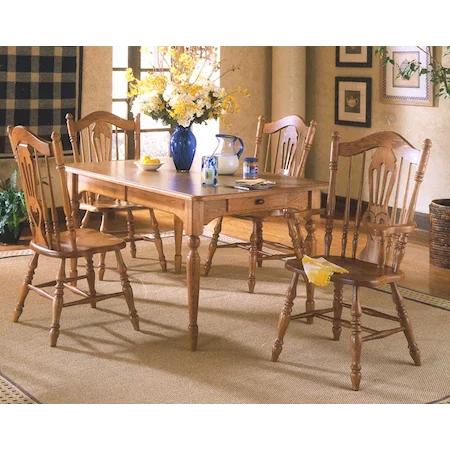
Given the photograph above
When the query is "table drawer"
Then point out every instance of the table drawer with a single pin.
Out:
(268, 202)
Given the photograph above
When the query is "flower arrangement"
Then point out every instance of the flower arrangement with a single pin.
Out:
(188, 93)
(439, 73)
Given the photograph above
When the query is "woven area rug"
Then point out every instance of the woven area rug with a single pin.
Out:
(100, 359)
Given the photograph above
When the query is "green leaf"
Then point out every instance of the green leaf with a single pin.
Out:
(12, 205)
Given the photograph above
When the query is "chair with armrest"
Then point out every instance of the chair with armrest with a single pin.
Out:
(288, 143)
(387, 170)
(37, 160)
(93, 139)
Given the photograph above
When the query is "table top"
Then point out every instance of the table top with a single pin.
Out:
(186, 185)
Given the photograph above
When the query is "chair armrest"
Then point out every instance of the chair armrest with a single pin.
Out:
(386, 230)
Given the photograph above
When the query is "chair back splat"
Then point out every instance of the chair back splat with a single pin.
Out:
(102, 137)
(35, 157)
(383, 173)
(287, 146)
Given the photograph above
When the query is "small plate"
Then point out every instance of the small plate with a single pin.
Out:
(151, 167)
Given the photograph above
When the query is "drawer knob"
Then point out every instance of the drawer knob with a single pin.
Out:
(259, 201)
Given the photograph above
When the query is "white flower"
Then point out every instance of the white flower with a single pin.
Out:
(136, 107)
(168, 92)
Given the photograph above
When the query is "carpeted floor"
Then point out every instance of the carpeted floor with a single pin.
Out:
(100, 359)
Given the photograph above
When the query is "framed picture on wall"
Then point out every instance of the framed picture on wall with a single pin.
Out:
(357, 56)
(353, 101)
(417, 90)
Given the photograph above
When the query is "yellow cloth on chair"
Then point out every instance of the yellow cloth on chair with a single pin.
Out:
(319, 270)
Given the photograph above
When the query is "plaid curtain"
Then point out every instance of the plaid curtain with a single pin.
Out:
(38, 87)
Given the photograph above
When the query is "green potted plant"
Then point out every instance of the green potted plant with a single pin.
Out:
(13, 212)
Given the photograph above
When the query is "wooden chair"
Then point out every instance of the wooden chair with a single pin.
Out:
(40, 188)
(288, 144)
(93, 139)
(379, 166)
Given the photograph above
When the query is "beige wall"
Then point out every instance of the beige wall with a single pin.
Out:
(254, 74)
(415, 123)
(97, 79)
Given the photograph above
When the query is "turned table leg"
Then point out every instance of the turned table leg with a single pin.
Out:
(193, 287)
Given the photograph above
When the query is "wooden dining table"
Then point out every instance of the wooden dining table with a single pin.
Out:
(193, 205)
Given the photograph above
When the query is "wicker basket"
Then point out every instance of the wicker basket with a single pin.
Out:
(440, 233)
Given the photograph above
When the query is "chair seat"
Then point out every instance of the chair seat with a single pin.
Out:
(106, 204)
(89, 241)
(360, 273)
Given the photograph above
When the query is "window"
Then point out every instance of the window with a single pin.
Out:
(155, 136)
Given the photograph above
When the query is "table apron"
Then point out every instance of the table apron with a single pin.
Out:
(199, 211)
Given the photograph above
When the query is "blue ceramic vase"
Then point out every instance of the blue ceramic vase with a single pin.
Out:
(182, 146)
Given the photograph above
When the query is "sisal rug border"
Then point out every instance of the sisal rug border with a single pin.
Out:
(13, 253)
(12, 393)
(442, 401)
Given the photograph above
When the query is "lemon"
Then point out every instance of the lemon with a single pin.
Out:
(146, 160)
(154, 161)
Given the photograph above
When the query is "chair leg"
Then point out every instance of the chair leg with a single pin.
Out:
(337, 310)
(91, 278)
(406, 322)
(127, 291)
(57, 303)
(73, 262)
(101, 266)
(252, 259)
(356, 340)
(24, 289)
(213, 245)
(310, 304)
(73, 270)
(158, 241)
(102, 256)
(285, 318)
(86, 219)
(130, 228)
(259, 241)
